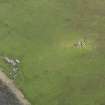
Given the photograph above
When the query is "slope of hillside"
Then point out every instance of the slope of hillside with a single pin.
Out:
(43, 35)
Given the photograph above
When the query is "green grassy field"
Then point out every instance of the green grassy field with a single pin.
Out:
(40, 33)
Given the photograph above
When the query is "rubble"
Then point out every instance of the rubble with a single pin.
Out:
(14, 63)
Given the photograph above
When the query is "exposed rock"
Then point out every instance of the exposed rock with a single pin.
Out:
(17, 61)
(80, 44)
(10, 61)
(14, 63)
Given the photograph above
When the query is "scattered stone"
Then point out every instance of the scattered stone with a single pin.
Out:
(10, 61)
(14, 77)
(14, 63)
(14, 73)
(17, 61)
(80, 44)
(15, 70)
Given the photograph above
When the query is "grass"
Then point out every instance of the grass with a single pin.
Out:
(40, 33)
